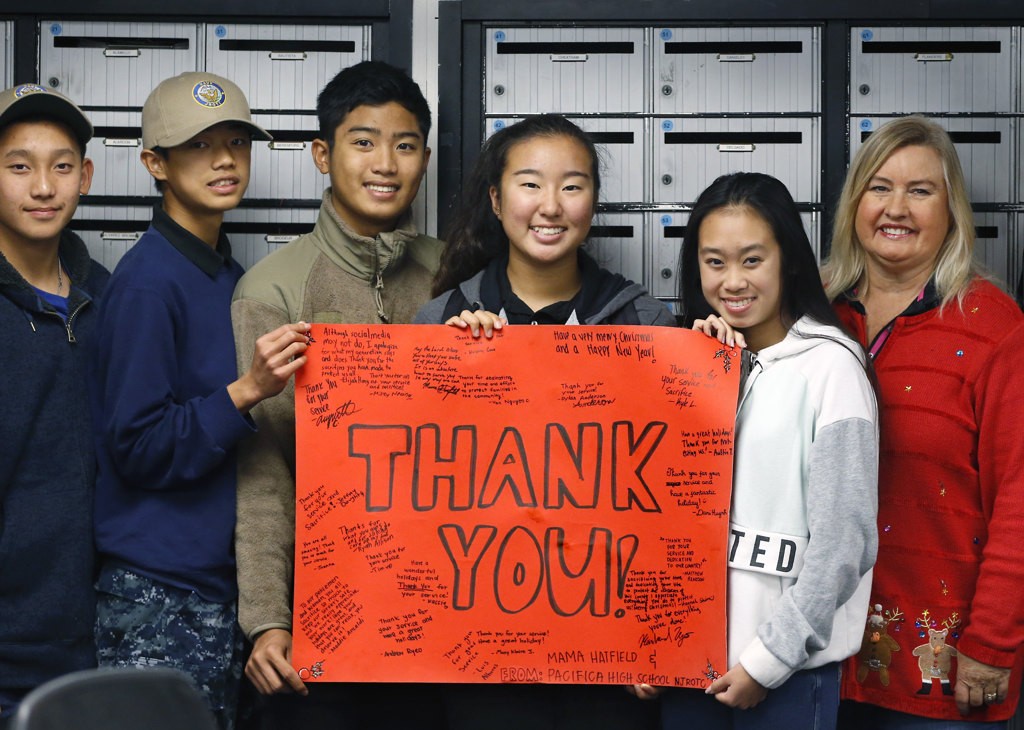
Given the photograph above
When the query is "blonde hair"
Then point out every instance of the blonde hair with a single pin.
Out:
(955, 268)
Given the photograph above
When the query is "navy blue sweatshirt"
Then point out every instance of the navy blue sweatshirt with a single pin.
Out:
(47, 471)
(167, 430)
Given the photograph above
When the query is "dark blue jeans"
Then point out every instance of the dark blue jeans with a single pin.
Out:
(809, 700)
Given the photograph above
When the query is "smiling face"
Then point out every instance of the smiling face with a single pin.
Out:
(546, 201)
(206, 176)
(903, 216)
(375, 165)
(42, 174)
(741, 274)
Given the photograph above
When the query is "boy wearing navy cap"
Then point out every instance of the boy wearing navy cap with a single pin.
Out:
(48, 292)
(169, 406)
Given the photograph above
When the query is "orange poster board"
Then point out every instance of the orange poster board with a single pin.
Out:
(547, 506)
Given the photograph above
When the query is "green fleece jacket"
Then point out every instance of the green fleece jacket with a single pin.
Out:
(330, 275)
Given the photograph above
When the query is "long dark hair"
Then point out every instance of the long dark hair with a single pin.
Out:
(801, 290)
(476, 236)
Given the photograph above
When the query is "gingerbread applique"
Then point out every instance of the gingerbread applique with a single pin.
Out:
(877, 646)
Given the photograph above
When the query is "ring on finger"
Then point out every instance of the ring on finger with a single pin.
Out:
(990, 697)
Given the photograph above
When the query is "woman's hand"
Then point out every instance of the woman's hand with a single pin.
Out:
(715, 326)
(737, 689)
(480, 320)
(979, 684)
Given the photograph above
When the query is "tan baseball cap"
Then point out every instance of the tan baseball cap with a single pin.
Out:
(30, 100)
(181, 107)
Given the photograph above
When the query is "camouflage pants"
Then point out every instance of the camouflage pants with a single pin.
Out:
(143, 623)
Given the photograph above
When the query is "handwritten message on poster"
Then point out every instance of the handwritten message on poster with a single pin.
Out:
(547, 506)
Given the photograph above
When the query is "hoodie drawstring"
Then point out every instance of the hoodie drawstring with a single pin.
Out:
(377, 289)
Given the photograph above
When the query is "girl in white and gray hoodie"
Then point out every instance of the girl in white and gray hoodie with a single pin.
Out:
(802, 536)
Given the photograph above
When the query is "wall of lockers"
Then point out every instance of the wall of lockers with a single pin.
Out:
(675, 94)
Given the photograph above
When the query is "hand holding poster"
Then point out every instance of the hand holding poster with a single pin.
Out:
(547, 506)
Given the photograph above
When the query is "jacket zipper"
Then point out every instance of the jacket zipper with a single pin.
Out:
(378, 289)
(67, 324)
(748, 374)
(881, 338)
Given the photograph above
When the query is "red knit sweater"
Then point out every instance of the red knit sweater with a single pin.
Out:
(951, 505)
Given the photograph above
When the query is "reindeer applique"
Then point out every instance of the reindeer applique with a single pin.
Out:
(935, 658)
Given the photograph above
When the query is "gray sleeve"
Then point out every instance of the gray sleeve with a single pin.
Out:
(433, 311)
(651, 311)
(842, 508)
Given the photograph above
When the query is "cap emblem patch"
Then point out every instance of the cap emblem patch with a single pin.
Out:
(208, 94)
(26, 89)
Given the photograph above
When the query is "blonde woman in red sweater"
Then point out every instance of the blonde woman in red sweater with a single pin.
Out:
(946, 344)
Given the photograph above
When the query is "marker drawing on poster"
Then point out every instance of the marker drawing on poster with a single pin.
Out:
(547, 506)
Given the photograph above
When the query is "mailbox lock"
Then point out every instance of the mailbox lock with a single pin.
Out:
(666, 179)
(864, 89)
(499, 90)
(666, 273)
(54, 82)
(666, 90)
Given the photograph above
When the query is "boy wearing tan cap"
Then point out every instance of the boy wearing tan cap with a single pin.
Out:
(169, 408)
(48, 292)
